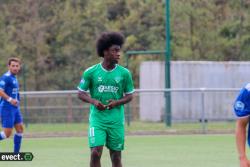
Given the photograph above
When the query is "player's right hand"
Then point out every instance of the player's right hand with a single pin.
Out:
(244, 162)
(14, 102)
(99, 105)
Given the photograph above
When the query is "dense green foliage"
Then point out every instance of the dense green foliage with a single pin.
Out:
(56, 38)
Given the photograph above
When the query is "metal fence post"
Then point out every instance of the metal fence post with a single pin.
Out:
(128, 113)
(70, 110)
(168, 116)
(26, 119)
(203, 119)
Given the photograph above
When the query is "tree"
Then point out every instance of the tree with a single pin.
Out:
(56, 39)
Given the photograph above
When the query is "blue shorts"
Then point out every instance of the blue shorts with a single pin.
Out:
(10, 117)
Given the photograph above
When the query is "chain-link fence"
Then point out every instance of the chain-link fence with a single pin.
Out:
(187, 105)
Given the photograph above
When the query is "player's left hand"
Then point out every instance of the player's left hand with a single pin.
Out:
(111, 104)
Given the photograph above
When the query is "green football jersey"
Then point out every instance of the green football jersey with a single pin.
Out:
(105, 85)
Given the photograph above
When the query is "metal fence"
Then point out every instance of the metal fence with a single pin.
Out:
(187, 105)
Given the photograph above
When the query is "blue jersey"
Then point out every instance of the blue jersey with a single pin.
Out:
(242, 102)
(9, 84)
(242, 106)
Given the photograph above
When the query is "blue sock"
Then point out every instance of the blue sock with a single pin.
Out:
(17, 142)
(2, 135)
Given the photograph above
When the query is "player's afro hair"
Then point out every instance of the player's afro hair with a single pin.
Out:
(106, 40)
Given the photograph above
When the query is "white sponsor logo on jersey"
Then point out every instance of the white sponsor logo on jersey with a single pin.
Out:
(104, 88)
(239, 105)
(99, 79)
(14, 91)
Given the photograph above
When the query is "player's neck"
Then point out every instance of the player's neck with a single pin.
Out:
(11, 73)
(108, 65)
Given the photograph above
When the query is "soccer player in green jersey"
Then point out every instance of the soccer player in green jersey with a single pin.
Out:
(110, 86)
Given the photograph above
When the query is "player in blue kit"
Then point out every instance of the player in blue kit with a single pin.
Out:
(9, 104)
(242, 111)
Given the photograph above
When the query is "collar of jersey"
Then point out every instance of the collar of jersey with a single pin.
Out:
(107, 70)
(8, 73)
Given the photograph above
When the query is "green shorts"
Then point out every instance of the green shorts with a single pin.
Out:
(113, 138)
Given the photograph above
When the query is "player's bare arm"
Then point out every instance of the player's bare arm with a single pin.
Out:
(7, 98)
(113, 103)
(86, 98)
(241, 125)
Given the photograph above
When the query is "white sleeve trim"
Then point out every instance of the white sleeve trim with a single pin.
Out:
(81, 89)
(130, 92)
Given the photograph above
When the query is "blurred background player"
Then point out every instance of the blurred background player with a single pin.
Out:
(110, 86)
(9, 104)
(242, 111)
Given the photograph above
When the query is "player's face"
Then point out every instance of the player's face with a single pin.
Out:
(114, 53)
(14, 67)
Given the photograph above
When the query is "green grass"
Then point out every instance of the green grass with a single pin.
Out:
(135, 127)
(140, 151)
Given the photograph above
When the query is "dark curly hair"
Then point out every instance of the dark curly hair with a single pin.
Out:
(106, 40)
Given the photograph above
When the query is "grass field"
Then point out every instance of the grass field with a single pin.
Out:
(140, 151)
(136, 127)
